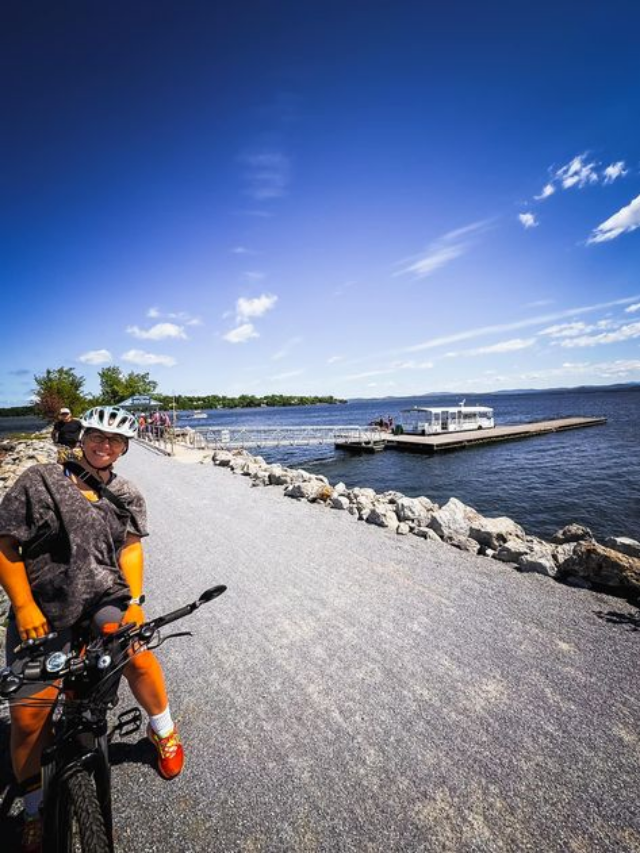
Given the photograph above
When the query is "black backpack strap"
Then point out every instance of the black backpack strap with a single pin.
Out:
(97, 485)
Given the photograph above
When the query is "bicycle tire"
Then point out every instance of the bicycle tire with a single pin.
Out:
(80, 826)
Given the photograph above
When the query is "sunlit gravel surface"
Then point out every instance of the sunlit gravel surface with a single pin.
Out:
(359, 691)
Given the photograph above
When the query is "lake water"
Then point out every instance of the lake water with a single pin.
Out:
(591, 476)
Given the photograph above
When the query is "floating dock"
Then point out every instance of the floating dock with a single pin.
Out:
(457, 440)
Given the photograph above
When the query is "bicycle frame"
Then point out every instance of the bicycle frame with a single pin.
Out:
(88, 683)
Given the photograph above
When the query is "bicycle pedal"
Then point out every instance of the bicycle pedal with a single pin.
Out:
(129, 722)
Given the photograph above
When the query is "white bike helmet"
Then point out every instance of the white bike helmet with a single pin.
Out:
(111, 419)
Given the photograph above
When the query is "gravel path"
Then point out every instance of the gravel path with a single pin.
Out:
(359, 691)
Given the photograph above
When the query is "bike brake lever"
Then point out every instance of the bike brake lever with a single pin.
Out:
(33, 644)
(162, 639)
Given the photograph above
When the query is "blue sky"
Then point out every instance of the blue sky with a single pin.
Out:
(360, 199)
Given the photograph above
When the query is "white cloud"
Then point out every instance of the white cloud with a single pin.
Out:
(140, 357)
(528, 220)
(577, 173)
(96, 356)
(565, 330)
(441, 252)
(512, 345)
(334, 358)
(517, 324)
(547, 190)
(153, 312)
(624, 333)
(631, 309)
(267, 174)
(241, 250)
(158, 332)
(246, 308)
(506, 346)
(614, 171)
(627, 219)
(254, 275)
(620, 369)
(241, 334)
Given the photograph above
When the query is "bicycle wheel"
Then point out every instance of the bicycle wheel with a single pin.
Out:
(80, 826)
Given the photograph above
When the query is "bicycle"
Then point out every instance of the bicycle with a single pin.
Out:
(76, 772)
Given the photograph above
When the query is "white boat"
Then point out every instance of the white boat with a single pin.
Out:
(198, 414)
(423, 420)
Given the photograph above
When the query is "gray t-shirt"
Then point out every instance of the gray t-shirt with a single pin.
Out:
(70, 545)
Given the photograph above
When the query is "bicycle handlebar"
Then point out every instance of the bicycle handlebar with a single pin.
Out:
(36, 670)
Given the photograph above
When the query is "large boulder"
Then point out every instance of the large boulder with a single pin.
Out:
(623, 544)
(572, 533)
(604, 566)
(511, 551)
(304, 491)
(494, 532)
(383, 515)
(417, 511)
(454, 519)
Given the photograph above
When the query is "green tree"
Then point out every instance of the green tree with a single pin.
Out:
(56, 388)
(115, 386)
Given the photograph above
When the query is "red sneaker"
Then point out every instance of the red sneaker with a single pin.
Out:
(170, 752)
(31, 841)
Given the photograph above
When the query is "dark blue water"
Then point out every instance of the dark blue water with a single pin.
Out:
(590, 476)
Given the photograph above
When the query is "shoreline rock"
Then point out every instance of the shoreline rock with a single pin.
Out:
(572, 556)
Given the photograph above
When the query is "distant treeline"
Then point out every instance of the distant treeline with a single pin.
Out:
(17, 411)
(244, 401)
(212, 401)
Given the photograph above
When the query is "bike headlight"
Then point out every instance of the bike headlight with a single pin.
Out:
(55, 662)
(104, 661)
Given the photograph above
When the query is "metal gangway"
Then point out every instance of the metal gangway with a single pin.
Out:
(237, 437)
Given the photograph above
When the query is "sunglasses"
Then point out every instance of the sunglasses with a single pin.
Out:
(115, 441)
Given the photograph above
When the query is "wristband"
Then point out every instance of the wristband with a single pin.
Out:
(139, 600)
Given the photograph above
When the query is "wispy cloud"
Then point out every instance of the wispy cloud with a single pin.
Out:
(517, 324)
(286, 348)
(619, 369)
(266, 174)
(242, 250)
(442, 251)
(614, 171)
(254, 275)
(96, 356)
(158, 332)
(183, 316)
(577, 173)
(241, 334)
(580, 172)
(627, 219)
(255, 307)
(528, 220)
(512, 345)
(624, 333)
(547, 190)
(394, 367)
(334, 359)
(631, 309)
(146, 359)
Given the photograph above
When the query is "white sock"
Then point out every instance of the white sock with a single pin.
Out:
(162, 724)
(32, 802)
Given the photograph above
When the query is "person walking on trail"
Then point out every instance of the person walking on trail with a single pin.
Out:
(71, 553)
(66, 430)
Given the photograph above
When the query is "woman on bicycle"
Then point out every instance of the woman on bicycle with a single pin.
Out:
(71, 553)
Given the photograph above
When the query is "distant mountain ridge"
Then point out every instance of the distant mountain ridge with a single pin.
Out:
(620, 386)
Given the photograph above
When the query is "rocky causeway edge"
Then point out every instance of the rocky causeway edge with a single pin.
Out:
(572, 556)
